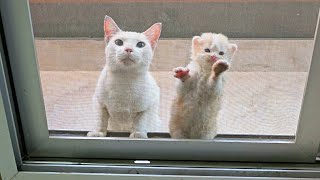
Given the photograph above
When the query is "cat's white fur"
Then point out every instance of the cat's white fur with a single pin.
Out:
(199, 89)
(127, 96)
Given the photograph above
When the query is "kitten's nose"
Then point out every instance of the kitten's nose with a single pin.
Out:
(214, 58)
(128, 50)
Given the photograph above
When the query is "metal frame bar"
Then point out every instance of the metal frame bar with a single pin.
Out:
(8, 101)
(167, 135)
(83, 176)
(308, 134)
(8, 166)
(17, 25)
(10, 154)
(182, 170)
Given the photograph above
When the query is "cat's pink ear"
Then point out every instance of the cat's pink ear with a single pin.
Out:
(233, 48)
(110, 28)
(153, 34)
(196, 41)
(196, 45)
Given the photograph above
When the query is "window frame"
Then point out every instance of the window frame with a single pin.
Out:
(9, 168)
(20, 44)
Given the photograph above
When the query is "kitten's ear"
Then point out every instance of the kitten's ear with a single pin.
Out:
(153, 34)
(195, 47)
(233, 48)
(110, 28)
(196, 41)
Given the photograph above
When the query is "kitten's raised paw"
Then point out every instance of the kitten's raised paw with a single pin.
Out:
(220, 66)
(181, 73)
(138, 135)
(96, 134)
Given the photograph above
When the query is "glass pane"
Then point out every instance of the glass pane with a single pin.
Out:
(263, 88)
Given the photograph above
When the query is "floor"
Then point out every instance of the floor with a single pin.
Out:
(263, 92)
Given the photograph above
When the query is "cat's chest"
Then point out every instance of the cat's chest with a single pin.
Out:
(203, 90)
(201, 93)
(130, 94)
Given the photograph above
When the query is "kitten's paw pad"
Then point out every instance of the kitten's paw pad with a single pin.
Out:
(220, 66)
(96, 134)
(180, 72)
(138, 135)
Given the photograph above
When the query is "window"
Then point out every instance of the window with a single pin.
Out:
(263, 107)
(267, 112)
(264, 88)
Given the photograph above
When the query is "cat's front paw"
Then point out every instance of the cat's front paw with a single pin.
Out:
(138, 135)
(96, 134)
(181, 73)
(220, 66)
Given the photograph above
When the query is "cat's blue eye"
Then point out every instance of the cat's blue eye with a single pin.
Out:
(207, 50)
(221, 53)
(118, 42)
(140, 44)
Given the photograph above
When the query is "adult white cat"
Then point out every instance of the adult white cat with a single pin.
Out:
(127, 96)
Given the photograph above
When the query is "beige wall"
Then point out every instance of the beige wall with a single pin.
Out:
(236, 18)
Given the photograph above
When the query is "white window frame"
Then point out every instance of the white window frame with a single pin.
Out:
(20, 44)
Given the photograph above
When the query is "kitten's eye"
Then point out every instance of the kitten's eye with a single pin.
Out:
(221, 53)
(118, 42)
(140, 44)
(207, 50)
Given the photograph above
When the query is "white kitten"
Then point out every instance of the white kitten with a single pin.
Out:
(127, 97)
(199, 90)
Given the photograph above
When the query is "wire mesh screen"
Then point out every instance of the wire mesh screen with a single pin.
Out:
(263, 89)
(262, 95)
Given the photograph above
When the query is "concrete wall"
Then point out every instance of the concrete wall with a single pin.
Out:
(237, 19)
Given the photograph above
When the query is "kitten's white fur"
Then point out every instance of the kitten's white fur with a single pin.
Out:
(127, 96)
(199, 90)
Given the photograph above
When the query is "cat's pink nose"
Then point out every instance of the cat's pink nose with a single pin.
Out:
(128, 50)
(214, 58)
